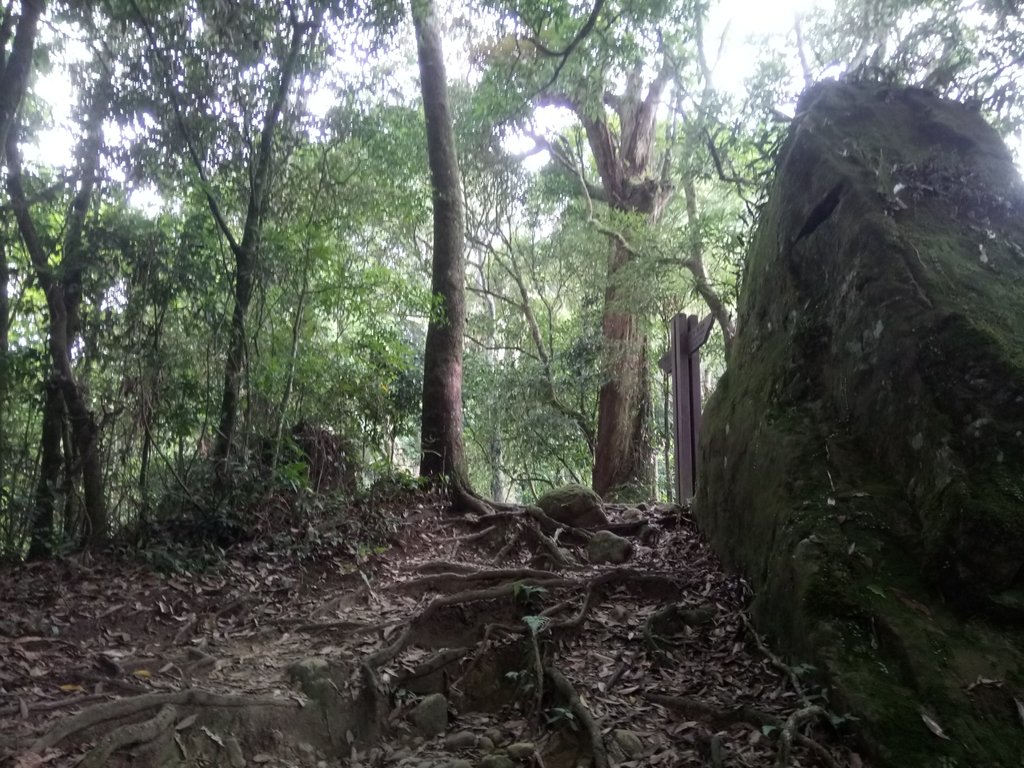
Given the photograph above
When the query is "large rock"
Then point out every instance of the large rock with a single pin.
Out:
(574, 505)
(863, 457)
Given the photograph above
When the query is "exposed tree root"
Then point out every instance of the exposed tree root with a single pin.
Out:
(386, 654)
(791, 730)
(555, 553)
(444, 566)
(538, 675)
(469, 537)
(481, 648)
(723, 718)
(434, 664)
(583, 715)
(444, 580)
(111, 710)
(126, 735)
(25, 708)
(464, 499)
(636, 527)
(778, 663)
(552, 526)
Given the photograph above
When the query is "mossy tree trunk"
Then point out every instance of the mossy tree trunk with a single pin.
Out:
(622, 145)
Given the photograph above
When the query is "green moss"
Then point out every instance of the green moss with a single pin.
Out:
(861, 462)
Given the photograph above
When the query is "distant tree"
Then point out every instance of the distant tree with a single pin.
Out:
(201, 110)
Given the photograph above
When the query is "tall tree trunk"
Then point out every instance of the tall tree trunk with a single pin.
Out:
(63, 292)
(441, 422)
(623, 454)
(293, 357)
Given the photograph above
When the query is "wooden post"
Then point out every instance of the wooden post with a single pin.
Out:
(683, 362)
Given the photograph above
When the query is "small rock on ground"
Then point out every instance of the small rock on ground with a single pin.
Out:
(521, 750)
(497, 761)
(460, 740)
(574, 505)
(496, 736)
(606, 547)
(629, 742)
(430, 716)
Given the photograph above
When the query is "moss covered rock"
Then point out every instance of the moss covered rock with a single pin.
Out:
(863, 458)
(574, 505)
(606, 547)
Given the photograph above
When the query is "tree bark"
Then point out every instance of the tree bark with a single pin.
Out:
(50, 463)
(695, 263)
(623, 455)
(5, 345)
(441, 420)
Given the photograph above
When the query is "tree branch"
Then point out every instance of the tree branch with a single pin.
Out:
(179, 121)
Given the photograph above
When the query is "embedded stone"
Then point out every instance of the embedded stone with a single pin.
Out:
(521, 750)
(430, 715)
(497, 761)
(460, 740)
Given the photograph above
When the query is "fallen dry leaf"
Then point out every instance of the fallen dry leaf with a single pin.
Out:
(933, 726)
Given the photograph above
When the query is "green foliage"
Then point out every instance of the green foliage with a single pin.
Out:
(335, 332)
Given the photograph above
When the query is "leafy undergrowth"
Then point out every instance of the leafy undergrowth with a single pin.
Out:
(542, 658)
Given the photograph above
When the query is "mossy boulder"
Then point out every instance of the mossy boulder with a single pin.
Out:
(863, 457)
(606, 547)
(574, 505)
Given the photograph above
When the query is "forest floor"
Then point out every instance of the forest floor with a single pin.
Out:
(463, 641)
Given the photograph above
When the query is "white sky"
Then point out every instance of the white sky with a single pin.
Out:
(744, 22)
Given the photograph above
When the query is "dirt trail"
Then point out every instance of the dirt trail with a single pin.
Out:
(469, 643)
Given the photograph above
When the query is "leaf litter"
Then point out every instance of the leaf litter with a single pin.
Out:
(86, 629)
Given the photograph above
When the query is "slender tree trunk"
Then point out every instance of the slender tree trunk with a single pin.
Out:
(63, 300)
(293, 356)
(5, 345)
(668, 424)
(246, 251)
(695, 263)
(441, 422)
(50, 463)
(84, 428)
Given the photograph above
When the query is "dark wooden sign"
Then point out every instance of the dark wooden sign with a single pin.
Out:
(682, 362)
